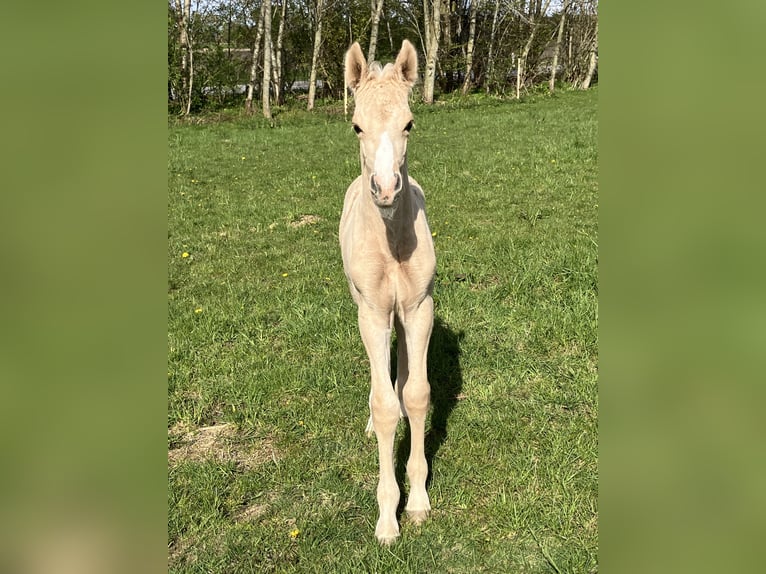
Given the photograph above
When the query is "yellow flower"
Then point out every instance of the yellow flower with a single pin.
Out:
(284, 274)
(198, 310)
(433, 234)
(294, 533)
(243, 158)
(184, 255)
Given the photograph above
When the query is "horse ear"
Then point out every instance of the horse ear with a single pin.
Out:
(407, 63)
(356, 66)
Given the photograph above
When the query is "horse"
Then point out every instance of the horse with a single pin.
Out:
(389, 262)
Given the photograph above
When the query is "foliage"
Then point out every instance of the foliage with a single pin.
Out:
(263, 345)
(224, 32)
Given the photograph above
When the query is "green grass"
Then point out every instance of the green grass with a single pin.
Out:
(263, 336)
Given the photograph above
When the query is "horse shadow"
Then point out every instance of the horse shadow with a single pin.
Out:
(446, 379)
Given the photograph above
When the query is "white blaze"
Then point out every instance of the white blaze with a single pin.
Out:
(384, 162)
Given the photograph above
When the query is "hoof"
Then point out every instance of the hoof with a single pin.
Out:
(387, 532)
(417, 516)
(386, 540)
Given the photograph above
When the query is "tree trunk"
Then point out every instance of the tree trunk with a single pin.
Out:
(491, 57)
(315, 54)
(471, 42)
(433, 31)
(376, 8)
(557, 48)
(278, 64)
(184, 19)
(265, 92)
(593, 59)
(254, 64)
(535, 22)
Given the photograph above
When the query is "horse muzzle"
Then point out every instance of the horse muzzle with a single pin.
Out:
(385, 189)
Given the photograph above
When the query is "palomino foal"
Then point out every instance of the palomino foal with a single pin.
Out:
(389, 260)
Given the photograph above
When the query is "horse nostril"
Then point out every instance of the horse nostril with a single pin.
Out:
(398, 184)
(373, 185)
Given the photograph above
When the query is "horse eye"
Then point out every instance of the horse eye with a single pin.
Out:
(357, 129)
(408, 127)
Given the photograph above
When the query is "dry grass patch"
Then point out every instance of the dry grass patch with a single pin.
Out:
(221, 443)
(305, 220)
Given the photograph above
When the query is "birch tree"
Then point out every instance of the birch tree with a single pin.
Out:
(491, 56)
(470, 48)
(254, 64)
(557, 48)
(535, 18)
(265, 92)
(187, 57)
(432, 17)
(276, 55)
(592, 61)
(315, 53)
(376, 8)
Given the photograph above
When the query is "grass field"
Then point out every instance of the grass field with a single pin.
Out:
(269, 469)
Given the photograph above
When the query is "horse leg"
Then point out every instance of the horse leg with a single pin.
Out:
(375, 329)
(416, 394)
(402, 365)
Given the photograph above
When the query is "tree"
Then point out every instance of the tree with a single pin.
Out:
(470, 48)
(278, 62)
(315, 53)
(376, 7)
(491, 57)
(432, 20)
(592, 60)
(535, 19)
(183, 13)
(557, 48)
(254, 63)
(265, 95)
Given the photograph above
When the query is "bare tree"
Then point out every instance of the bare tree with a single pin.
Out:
(470, 48)
(278, 75)
(315, 53)
(265, 95)
(491, 56)
(535, 18)
(183, 15)
(376, 8)
(592, 61)
(557, 48)
(432, 17)
(254, 64)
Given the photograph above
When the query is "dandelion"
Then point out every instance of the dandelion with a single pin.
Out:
(184, 255)
(284, 274)
(300, 423)
(198, 310)
(243, 158)
(294, 533)
(433, 234)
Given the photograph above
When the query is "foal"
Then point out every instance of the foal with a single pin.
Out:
(389, 261)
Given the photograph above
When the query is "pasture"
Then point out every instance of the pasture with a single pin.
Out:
(269, 468)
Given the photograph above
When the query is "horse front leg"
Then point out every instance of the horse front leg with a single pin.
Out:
(416, 394)
(375, 329)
